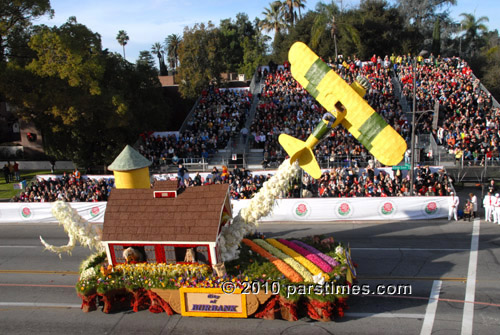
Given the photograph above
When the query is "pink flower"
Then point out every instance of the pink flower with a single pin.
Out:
(324, 266)
(387, 207)
(301, 208)
(315, 251)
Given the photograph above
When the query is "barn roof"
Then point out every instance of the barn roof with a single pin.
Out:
(193, 216)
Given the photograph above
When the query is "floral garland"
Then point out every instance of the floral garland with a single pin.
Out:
(324, 266)
(332, 261)
(298, 257)
(301, 270)
(77, 229)
(282, 267)
(261, 205)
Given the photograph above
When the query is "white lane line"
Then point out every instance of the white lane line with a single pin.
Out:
(409, 249)
(430, 311)
(385, 315)
(470, 289)
(37, 304)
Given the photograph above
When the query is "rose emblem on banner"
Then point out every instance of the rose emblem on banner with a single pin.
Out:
(94, 211)
(387, 208)
(301, 209)
(344, 210)
(26, 212)
(431, 208)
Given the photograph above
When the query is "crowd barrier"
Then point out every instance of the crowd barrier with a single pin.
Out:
(291, 210)
(363, 209)
(41, 212)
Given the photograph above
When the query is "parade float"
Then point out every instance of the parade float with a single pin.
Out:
(181, 250)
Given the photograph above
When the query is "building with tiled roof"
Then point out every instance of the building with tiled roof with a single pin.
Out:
(163, 223)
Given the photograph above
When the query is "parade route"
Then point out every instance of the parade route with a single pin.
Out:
(452, 268)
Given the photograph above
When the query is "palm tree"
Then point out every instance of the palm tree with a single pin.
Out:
(157, 49)
(273, 18)
(300, 4)
(122, 38)
(172, 44)
(289, 7)
(474, 30)
(326, 21)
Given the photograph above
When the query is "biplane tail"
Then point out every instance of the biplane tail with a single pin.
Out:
(298, 150)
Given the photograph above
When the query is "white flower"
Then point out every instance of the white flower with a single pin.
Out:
(339, 250)
(319, 279)
(76, 228)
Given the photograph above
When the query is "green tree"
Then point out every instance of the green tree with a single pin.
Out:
(273, 18)
(420, 13)
(16, 17)
(328, 25)
(122, 39)
(172, 45)
(474, 31)
(199, 56)
(436, 38)
(157, 50)
(87, 102)
(145, 59)
(381, 28)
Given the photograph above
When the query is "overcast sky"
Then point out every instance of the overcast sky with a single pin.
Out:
(150, 21)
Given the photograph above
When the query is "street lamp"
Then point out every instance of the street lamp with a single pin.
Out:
(413, 125)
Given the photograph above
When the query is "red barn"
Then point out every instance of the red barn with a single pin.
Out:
(163, 222)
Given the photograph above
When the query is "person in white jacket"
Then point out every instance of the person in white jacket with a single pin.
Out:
(496, 211)
(473, 200)
(453, 203)
(488, 203)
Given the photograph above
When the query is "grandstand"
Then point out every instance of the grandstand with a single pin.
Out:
(457, 119)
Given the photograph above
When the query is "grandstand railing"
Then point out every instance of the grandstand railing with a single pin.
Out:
(190, 115)
(168, 164)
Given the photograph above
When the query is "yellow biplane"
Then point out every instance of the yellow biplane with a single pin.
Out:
(345, 106)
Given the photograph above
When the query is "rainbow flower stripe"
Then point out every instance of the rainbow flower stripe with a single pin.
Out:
(298, 257)
(330, 260)
(284, 268)
(301, 270)
(324, 266)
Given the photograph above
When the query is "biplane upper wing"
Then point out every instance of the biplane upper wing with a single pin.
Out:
(328, 88)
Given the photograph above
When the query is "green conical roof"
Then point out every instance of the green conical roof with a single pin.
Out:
(129, 159)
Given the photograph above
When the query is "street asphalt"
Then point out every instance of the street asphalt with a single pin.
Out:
(454, 263)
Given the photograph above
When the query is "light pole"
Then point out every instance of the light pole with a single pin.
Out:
(413, 125)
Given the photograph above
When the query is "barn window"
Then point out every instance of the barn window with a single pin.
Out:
(169, 254)
(202, 254)
(118, 251)
(149, 250)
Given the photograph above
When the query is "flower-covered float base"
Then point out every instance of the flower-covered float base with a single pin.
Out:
(279, 278)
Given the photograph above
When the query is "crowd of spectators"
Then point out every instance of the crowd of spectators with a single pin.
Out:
(340, 182)
(352, 182)
(218, 117)
(286, 107)
(69, 188)
(469, 123)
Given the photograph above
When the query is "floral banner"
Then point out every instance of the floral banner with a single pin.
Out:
(338, 209)
(41, 212)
